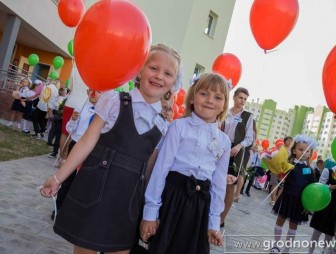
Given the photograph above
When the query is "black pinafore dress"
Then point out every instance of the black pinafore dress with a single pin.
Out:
(102, 209)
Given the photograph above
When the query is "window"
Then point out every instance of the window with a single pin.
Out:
(211, 24)
(198, 70)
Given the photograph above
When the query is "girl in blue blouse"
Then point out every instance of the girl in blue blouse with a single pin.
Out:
(289, 205)
(185, 194)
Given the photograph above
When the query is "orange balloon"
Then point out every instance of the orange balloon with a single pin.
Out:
(180, 97)
(265, 144)
(314, 156)
(271, 21)
(111, 44)
(229, 66)
(329, 80)
(70, 11)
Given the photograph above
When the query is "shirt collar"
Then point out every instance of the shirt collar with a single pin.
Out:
(196, 120)
(300, 162)
(137, 97)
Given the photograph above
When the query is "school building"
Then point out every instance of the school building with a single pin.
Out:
(273, 123)
(197, 29)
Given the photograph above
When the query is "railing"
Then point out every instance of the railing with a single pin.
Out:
(10, 79)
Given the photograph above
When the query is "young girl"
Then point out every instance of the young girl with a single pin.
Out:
(102, 208)
(288, 205)
(17, 106)
(187, 187)
(28, 108)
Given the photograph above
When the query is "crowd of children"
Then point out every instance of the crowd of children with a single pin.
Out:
(132, 172)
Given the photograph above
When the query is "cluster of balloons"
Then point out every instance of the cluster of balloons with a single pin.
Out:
(58, 62)
(315, 197)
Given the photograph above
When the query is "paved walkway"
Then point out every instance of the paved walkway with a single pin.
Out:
(26, 227)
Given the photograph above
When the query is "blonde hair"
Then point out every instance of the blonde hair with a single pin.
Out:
(213, 82)
(161, 48)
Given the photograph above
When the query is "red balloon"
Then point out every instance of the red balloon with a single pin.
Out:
(70, 11)
(229, 66)
(329, 80)
(279, 142)
(271, 21)
(177, 114)
(314, 156)
(182, 109)
(265, 144)
(111, 44)
(180, 97)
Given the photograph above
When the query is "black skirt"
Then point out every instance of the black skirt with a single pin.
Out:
(17, 106)
(290, 207)
(325, 219)
(184, 216)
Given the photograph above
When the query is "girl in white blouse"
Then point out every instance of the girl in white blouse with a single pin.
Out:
(185, 194)
(103, 206)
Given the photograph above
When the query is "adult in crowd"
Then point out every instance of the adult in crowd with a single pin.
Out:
(239, 127)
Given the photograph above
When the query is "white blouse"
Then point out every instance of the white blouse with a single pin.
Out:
(186, 149)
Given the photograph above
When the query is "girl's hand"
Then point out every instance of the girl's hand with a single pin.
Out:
(215, 237)
(235, 150)
(230, 179)
(332, 186)
(50, 187)
(75, 116)
(147, 229)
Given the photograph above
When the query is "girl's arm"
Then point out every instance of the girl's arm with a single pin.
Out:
(150, 165)
(161, 169)
(77, 155)
(218, 187)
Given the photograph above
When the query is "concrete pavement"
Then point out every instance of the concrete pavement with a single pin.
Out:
(26, 227)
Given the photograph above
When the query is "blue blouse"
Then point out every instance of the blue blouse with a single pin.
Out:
(185, 149)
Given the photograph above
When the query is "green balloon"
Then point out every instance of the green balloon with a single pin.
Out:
(58, 62)
(333, 149)
(131, 86)
(53, 75)
(119, 89)
(263, 165)
(67, 83)
(71, 47)
(315, 197)
(33, 59)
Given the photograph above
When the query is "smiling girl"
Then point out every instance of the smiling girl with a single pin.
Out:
(102, 208)
(185, 194)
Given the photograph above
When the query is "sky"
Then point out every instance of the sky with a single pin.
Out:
(291, 75)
